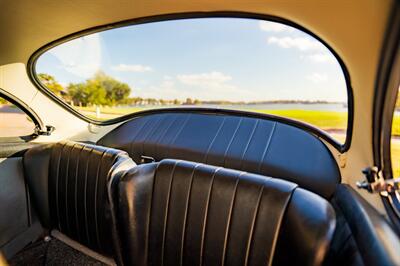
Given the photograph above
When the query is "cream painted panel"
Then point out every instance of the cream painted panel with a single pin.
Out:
(14, 79)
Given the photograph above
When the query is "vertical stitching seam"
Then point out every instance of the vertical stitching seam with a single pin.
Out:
(213, 140)
(150, 210)
(186, 212)
(252, 225)
(57, 186)
(164, 133)
(95, 199)
(279, 225)
(228, 223)
(248, 143)
(135, 136)
(179, 132)
(76, 194)
(232, 138)
(66, 189)
(85, 197)
(266, 148)
(166, 212)
(151, 131)
(206, 214)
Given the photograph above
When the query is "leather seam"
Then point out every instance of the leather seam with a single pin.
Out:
(166, 212)
(186, 211)
(248, 247)
(248, 143)
(178, 133)
(228, 222)
(206, 214)
(76, 194)
(66, 188)
(85, 197)
(266, 148)
(213, 140)
(279, 225)
(231, 140)
(95, 199)
(57, 187)
(162, 136)
(151, 132)
(135, 136)
(150, 212)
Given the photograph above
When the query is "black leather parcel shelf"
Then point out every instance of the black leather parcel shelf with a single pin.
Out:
(250, 144)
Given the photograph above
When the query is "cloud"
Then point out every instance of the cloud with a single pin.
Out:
(213, 86)
(131, 68)
(211, 79)
(317, 77)
(301, 43)
(166, 90)
(274, 27)
(80, 57)
(204, 86)
(322, 58)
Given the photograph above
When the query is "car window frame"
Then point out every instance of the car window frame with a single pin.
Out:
(341, 147)
(36, 121)
(386, 90)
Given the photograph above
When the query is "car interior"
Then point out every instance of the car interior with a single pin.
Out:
(105, 160)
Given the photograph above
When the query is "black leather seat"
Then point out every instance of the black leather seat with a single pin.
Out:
(69, 183)
(184, 213)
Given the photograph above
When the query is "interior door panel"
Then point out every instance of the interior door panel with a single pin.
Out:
(18, 225)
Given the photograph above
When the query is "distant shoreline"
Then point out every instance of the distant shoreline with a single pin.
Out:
(266, 102)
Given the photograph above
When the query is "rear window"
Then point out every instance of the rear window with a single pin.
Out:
(228, 63)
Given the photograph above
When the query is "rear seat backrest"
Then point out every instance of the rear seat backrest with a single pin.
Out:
(183, 213)
(68, 183)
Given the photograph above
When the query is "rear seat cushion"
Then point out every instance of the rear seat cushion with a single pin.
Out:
(179, 212)
(68, 183)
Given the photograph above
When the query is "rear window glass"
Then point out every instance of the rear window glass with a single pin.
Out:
(228, 63)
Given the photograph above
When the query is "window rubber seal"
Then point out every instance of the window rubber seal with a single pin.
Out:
(342, 148)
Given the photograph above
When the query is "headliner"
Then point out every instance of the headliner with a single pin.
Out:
(354, 28)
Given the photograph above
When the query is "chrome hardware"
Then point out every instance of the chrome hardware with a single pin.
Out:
(375, 182)
(146, 159)
(46, 132)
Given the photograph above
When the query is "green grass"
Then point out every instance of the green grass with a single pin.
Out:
(395, 154)
(327, 120)
(322, 119)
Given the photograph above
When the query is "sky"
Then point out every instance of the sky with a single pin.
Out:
(207, 59)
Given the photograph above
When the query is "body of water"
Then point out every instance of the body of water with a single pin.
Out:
(337, 107)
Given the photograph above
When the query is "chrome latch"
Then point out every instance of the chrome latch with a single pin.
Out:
(46, 132)
(375, 182)
(146, 159)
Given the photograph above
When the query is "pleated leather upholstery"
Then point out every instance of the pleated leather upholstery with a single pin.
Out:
(69, 185)
(250, 144)
(185, 213)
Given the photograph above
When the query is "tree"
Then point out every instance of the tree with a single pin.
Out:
(398, 100)
(99, 90)
(3, 101)
(51, 83)
(116, 91)
(189, 101)
(87, 93)
(196, 102)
